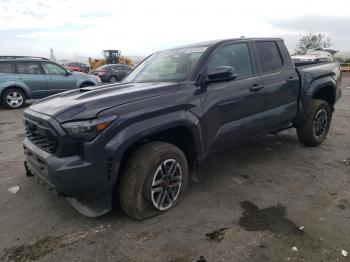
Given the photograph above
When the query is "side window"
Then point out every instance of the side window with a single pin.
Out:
(7, 67)
(269, 56)
(52, 69)
(235, 55)
(28, 68)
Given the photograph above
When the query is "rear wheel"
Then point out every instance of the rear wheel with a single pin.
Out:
(154, 181)
(313, 131)
(13, 98)
(112, 79)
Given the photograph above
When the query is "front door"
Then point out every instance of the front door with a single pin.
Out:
(57, 78)
(234, 110)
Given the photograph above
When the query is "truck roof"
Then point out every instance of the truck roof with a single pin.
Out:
(217, 41)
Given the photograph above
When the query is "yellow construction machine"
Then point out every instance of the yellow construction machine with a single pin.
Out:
(110, 57)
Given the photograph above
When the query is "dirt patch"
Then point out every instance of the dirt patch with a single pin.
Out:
(216, 235)
(45, 245)
(343, 203)
(271, 219)
(32, 251)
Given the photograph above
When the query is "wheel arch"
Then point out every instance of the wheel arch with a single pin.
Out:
(321, 88)
(185, 133)
(87, 82)
(22, 88)
(326, 93)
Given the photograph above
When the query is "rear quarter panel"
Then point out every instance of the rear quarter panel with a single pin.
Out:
(314, 77)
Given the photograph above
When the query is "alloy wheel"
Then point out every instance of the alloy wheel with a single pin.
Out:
(320, 123)
(166, 184)
(14, 99)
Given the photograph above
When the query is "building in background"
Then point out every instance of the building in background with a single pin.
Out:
(52, 56)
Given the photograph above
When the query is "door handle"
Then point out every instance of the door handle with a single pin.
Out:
(256, 88)
(292, 79)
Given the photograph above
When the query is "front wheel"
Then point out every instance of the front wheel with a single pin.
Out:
(86, 85)
(155, 180)
(313, 131)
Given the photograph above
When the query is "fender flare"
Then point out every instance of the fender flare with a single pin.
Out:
(138, 130)
(307, 94)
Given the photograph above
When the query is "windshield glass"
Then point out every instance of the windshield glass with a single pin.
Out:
(171, 65)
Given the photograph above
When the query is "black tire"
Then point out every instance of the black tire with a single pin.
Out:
(18, 98)
(308, 132)
(135, 186)
(86, 85)
(113, 79)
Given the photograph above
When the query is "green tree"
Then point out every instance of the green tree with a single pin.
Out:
(312, 41)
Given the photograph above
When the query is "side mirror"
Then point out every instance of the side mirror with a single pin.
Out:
(68, 73)
(221, 74)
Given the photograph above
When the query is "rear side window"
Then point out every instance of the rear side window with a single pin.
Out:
(28, 68)
(235, 55)
(269, 56)
(52, 69)
(7, 67)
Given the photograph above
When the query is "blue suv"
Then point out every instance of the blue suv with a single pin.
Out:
(23, 78)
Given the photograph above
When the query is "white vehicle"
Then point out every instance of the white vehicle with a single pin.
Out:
(316, 55)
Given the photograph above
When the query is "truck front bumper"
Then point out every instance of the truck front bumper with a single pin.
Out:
(80, 181)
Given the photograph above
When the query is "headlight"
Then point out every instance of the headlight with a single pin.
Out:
(87, 130)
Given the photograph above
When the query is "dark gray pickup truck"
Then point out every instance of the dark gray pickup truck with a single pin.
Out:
(136, 141)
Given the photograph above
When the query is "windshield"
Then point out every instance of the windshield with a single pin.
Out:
(167, 66)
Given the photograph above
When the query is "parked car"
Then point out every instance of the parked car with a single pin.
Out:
(138, 139)
(23, 78)
(78, 67)
(112, 73)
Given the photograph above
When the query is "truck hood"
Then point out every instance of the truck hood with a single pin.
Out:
(87, 102)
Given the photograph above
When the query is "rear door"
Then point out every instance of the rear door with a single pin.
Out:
(57, 78)
(32, 75)
(233, 112)
(7, 71)
(281, 83)
(119, 71)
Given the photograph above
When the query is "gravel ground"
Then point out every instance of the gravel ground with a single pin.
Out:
(274, 200)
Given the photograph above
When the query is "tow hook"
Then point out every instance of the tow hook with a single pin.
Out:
(28, 172)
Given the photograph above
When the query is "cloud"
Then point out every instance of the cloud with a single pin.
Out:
(334, 25)
(141, 27)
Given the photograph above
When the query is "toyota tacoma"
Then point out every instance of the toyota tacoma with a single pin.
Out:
(136, 141)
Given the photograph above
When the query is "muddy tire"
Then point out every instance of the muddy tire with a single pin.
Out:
(154, 180)
(313, 131)
(14, 98)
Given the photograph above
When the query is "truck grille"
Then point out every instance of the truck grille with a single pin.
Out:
(41, 136)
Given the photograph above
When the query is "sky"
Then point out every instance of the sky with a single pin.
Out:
(139, 27)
